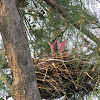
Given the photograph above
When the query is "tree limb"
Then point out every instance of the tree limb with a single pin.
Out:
(56, 7)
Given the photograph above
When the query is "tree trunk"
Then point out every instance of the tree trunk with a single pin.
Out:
(24, 86)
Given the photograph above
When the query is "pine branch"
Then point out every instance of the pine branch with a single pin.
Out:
(60, 10)
(4, 79)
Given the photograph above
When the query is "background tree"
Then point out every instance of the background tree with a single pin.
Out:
(48, 20)
(75, 16)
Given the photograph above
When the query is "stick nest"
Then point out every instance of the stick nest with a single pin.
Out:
(65, 74)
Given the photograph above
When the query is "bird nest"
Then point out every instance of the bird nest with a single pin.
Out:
(65, 74)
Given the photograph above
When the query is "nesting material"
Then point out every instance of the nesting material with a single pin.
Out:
(66, 74)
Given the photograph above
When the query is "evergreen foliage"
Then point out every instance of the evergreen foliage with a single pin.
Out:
(43, 24)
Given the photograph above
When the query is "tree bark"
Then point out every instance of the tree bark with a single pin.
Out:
(24, 86)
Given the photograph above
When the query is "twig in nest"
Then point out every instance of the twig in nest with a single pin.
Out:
(88, 75)
(45, 75)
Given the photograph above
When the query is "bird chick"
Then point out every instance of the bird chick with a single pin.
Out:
(54, 47)
(57, 47)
